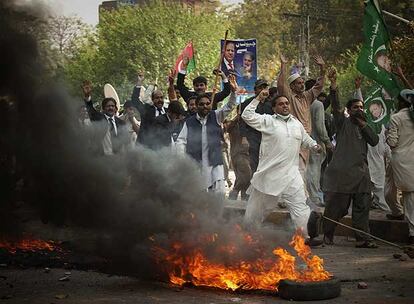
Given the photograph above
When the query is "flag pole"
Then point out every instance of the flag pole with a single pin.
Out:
(396, 17)
(194, 54)
(219, 67)
(392, 52)
(379, 9)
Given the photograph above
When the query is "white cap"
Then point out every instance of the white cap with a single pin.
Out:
(293, 77)
(407, 95)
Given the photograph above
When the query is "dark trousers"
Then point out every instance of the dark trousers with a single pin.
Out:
(337, 205)
(254, 148)
(242, 171)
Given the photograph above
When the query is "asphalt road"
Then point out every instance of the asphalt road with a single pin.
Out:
(389, 280)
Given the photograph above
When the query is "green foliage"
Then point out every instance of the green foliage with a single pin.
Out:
(150, 37)
(263, 20)
(146, 38)
(347, 73)
(403, 50)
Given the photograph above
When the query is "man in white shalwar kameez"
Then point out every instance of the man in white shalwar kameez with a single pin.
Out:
(376, 156)
(278, 176)
(400, 138)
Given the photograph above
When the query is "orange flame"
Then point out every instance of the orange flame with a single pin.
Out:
(192, 266)
(27, 244)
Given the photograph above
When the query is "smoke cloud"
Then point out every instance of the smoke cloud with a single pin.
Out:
(126, 200)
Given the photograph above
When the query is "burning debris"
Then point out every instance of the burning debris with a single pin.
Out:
(196, 265)
(28, 244)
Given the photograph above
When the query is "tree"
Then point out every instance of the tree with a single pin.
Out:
(403, 47)
(148, 38)
(66, 33)
(61, 40)
(264, 20)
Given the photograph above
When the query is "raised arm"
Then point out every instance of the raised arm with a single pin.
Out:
(282, 86)
(358, 91)
(87, 90)
(184, 91)
(318, 87)
(222, 113)
(224, 93)
(171, 90)
(253, 119)
(337, 110)
(135, 100)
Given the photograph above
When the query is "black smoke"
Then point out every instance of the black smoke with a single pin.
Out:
(125, 201)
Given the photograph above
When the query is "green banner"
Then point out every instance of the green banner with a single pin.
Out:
(373, 60)
(378, 107)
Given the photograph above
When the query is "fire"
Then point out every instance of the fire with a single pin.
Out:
(27, 244)
(189, 264)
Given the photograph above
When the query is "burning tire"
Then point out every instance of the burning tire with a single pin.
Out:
(308, 291)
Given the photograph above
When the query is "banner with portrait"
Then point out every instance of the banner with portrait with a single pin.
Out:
(378, 107)
(240, 58)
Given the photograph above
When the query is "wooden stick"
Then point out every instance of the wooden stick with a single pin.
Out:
(219, 67)
(363, 232)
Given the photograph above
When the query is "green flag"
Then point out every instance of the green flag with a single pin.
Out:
(378, 107)
(374, 61)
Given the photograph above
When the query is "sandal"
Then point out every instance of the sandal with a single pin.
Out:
(367, 244)
(328, 240)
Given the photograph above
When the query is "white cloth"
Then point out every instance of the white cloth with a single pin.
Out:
(408, 198)
(376, 163)
(260, 205)
(279, 150)
(277, 177)
(211, 175)
(401, 140)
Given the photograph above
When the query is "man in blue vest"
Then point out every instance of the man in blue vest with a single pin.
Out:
(201, 138)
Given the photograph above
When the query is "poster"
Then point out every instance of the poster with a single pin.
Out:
(378, 107)
(240, 58)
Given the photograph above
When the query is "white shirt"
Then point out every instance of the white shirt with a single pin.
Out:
(209, 173)
(227, 63)
(278, 167)
(157, 113)
(106, 142)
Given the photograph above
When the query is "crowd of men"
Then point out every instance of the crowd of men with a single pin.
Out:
(291, 146)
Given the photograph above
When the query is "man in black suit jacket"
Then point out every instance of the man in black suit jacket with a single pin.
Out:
(227, 65)
(148, 113)
(168, 125)
(113, 130)
(200, 86)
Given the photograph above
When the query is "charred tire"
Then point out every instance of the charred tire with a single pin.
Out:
(308, 291)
